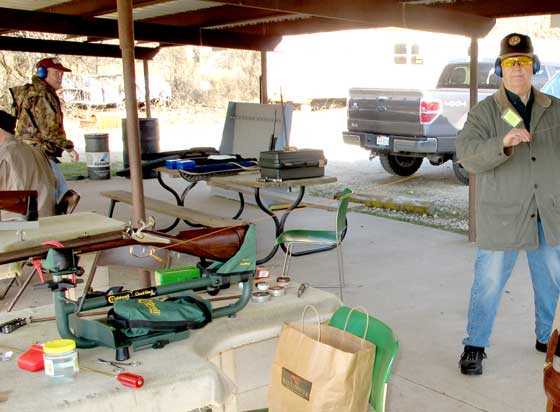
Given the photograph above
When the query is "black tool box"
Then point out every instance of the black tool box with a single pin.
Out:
(296, 164)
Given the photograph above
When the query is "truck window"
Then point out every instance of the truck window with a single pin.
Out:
(457, 76)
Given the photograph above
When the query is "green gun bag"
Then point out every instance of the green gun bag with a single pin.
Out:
(139, 317)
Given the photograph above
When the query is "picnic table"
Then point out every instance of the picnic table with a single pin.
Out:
(251, 183)
(180, 199)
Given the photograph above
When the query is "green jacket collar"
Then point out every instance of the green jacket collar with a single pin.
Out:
(540, 104)
(503, 103)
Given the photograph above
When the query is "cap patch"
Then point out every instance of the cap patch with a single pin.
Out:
(514, 40)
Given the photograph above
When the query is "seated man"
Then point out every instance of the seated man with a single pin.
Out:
(25, 168)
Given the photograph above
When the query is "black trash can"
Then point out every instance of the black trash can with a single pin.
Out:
(149, 141)
(97, 156)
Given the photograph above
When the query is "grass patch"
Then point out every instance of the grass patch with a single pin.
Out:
(73, 170)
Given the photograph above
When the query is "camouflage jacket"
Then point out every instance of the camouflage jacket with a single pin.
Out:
(39, 117)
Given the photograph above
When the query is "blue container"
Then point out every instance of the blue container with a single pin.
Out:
(186, 164)
(171, 163)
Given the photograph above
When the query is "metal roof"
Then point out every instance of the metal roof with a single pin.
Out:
(164, 9)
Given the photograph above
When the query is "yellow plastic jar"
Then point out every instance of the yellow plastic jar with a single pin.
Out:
(61, 359)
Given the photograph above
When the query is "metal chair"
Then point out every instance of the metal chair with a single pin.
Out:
(324, 237)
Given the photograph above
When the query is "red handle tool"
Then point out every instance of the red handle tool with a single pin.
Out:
(128, 379)
(131, 380)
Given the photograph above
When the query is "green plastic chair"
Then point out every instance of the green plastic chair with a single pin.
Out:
(386, 349)
(323, 237)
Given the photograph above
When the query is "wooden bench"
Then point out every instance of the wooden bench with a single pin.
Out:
(180, 212)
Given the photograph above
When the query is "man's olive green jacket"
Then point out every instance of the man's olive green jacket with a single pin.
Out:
(513, 190)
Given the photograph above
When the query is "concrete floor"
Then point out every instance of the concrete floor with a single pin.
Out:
(414, 278)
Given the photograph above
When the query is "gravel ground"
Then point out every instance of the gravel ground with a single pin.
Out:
(435, 185)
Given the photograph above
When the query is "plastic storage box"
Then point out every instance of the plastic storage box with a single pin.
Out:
(176, 275)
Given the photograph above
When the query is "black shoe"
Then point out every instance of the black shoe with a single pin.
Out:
(471, 360)
(541, 347)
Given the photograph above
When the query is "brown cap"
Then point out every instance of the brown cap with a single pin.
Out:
(515, 44)
(52, 62)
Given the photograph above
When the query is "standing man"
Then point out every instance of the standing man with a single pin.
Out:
(25, 168)
(511, 141)
(39, 116)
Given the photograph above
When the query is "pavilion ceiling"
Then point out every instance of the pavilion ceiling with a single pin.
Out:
(254, 24)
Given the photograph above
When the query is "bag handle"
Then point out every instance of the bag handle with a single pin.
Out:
(365, 312)
(305, 309)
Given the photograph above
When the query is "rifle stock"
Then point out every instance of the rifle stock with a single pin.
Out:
(213, 243)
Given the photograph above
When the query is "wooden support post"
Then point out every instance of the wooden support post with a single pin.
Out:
(147, 89)
(126, 42)
(473, 101)
(263, 79)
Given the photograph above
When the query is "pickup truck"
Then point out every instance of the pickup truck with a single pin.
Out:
(403, 127)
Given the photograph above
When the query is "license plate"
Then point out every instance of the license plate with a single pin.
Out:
(382, 141)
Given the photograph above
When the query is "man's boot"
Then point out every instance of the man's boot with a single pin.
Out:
(471, 360)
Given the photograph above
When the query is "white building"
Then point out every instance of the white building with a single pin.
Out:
(326, 65)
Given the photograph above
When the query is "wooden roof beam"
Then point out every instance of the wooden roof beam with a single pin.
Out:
(97, 27)
(380, 12)
(71, 48)
(213, 16)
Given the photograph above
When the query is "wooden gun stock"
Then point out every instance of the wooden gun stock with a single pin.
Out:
(213, 243)
(23, 202)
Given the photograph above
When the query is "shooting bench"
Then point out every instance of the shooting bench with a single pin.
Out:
(186, 375)
(190, 216)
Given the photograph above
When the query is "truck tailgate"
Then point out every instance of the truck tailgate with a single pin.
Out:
(385, 111)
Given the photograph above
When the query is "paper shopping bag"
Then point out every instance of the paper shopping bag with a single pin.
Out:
(320, 369)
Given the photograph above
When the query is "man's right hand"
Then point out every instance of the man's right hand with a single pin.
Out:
(516, 136)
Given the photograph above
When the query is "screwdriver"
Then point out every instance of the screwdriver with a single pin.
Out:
(131, 380)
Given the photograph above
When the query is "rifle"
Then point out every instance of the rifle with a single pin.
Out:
(218, 244)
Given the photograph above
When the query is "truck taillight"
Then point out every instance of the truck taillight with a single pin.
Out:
(429, 110)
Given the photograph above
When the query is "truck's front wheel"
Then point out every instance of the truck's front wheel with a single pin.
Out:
(400, 165)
